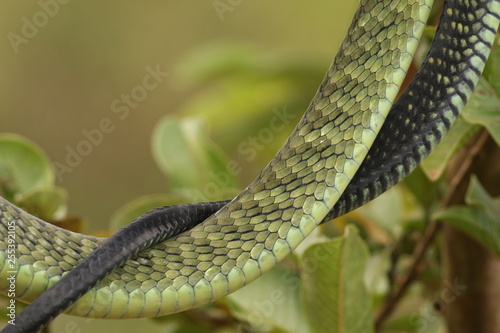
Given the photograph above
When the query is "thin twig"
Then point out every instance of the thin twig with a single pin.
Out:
(433, 227)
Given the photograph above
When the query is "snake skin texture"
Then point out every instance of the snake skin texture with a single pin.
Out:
(151, 228)
(274, 214)
(432, 102)
(300, 186)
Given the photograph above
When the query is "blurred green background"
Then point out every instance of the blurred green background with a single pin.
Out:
(63, 80)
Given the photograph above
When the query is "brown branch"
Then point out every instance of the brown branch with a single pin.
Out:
(433, 227)
(472, 271)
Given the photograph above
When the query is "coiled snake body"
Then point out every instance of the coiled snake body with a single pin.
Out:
(313, 178)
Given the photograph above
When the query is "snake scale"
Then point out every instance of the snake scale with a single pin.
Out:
(312, 179)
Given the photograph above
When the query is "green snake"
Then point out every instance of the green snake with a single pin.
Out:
(340, 155)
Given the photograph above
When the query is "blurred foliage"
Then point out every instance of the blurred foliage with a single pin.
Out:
(480, 218)
(338, 278)
(27, 178)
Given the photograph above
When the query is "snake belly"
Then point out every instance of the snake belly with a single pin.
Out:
(270, 218)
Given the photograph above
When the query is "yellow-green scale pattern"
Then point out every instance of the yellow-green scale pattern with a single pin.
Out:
(273, 215)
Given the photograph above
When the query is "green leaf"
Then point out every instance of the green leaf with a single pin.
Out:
(484, 109)
(334, 293)
(23, 166)
(48, 203)
(480, 218)
(194, 165)
(477, 196)
(133, 209)
(376, 210)
(492, 68)
(475, 222)
(271, 303)
(376, 272)
(424, 190)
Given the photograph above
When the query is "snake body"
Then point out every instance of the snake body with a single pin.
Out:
(304, 184)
